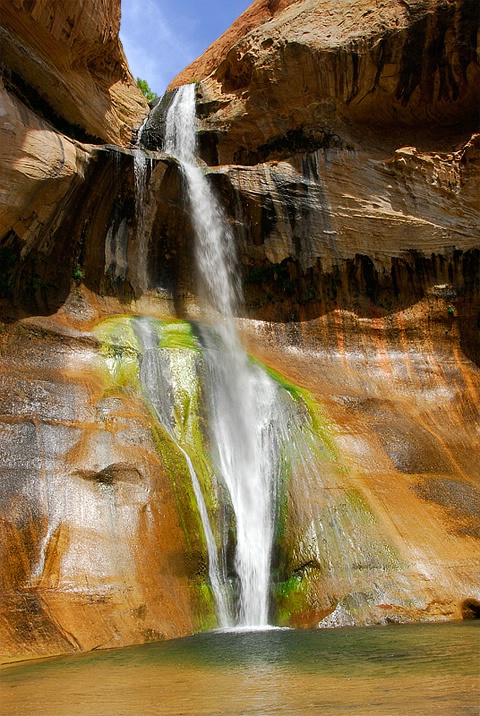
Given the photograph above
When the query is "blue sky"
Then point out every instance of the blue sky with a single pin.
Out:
(161, 37)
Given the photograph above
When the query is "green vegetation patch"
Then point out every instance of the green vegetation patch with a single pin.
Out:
(206, 607)
(178, 335)
(291, 597)
(120, 350)
(145, 90)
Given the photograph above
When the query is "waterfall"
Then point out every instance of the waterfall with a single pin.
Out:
(242, 420)
(140, 172)
(240, 397)
(214, 248)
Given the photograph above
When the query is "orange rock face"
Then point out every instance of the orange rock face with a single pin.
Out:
(95, 554)
(334, 65)
(404, 409)
(68, 64)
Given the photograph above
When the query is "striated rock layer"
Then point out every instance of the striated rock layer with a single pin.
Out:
(64, 79)
(68, 64)
(342, 141)
(318, 66)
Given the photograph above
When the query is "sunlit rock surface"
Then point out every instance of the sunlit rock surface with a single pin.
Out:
(64, 80)
(40, 170)
(67, 63)
(395, 536)
(94, 550)
(312, 68)
(341, 140)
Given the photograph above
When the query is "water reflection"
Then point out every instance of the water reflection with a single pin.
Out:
(398, 670)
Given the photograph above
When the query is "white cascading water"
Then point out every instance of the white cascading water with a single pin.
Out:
(140, 172)
(156, 378)
(241, 398)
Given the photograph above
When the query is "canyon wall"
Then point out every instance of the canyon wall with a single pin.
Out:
(342, 140)
(67, 64)
(64, 82)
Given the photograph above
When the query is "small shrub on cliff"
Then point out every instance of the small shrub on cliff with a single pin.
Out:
(77, 273)
(145, 89)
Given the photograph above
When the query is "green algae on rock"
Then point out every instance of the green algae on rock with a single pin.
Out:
(325, 533)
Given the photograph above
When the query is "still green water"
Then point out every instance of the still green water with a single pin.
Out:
(415, 670)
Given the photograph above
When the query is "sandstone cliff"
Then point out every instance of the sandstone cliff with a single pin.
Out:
(67, 64)
(346, 135)
(365, 112)
(341, 139)
(64, 79)
(314, 67)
